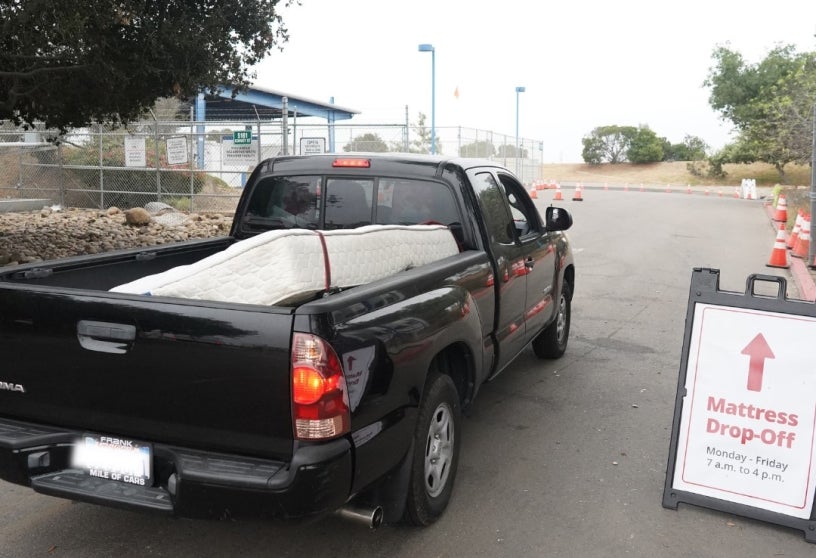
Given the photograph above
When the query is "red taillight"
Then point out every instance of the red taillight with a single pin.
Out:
(355, 163)
(320, 407)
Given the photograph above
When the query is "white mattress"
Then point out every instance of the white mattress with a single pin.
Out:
(283, 266)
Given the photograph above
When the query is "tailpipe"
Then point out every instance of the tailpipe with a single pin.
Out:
(369, 516)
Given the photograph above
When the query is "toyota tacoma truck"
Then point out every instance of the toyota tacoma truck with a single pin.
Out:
(342, 398)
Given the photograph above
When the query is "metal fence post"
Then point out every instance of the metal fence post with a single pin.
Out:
(193, 139)
(62, 175)
(101, 171)
(156, 151)
(285, 124)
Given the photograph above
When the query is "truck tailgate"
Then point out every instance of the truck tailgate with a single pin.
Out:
(209, 375)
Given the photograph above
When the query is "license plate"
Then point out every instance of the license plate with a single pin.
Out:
(113, 458)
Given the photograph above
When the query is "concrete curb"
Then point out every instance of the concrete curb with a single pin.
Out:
(802, 276)
(23, 204)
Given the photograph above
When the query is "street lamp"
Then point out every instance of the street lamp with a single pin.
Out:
(519, 89)
(430, 48)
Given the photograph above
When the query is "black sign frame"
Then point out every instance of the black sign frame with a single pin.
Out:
(705, 289)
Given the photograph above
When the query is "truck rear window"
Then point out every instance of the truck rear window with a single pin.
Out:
(320, 202)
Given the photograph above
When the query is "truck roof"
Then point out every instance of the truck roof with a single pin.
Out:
(402, 164)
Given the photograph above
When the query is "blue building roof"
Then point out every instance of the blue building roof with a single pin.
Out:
(265, 104)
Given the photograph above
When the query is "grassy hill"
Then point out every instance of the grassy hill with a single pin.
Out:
(675, 173)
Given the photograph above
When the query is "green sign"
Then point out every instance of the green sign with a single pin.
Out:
(242, 137)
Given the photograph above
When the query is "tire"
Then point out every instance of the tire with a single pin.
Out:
(552, 342)
(436, 451)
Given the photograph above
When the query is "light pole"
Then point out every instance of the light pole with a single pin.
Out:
(429, 48)
(519, 89)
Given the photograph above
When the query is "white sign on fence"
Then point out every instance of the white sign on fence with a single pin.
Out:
(232, 154)
(312, 146)
(748, 422)
(135, 152)
(177, 151)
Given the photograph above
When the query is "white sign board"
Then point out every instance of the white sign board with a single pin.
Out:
(135, 152)
(242, 154)
(177, 151)
(749, 414)
(312, 146)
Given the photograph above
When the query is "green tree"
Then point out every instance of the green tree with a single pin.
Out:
(423, 142)
(769, 104)
(510, 152)
(693, 148)
(645, 147)
(369, 143)
(217, 136)
(67, 64)
(483, 148)
(608, 144)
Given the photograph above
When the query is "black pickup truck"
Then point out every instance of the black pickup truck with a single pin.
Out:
(348, 401)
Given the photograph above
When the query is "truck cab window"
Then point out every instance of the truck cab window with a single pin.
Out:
(525, 215)
(410, 202)
(494, 210)
(348, 203)
(286, 202)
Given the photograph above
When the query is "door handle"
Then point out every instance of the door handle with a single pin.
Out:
(105, 337)
(529, 263)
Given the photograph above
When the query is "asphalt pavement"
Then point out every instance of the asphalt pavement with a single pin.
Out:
(563, 458)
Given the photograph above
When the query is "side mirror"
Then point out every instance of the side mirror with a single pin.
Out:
(557, 219)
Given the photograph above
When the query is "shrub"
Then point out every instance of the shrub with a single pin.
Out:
(119, 186)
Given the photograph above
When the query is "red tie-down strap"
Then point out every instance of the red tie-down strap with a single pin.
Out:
(326, 262)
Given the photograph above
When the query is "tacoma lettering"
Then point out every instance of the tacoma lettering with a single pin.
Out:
(8, 386)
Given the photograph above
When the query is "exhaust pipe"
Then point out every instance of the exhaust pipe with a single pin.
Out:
(371, 517)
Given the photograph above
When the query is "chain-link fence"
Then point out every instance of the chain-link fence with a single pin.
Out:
(202, 166)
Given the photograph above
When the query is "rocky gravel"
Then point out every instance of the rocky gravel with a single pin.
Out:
(54, 232)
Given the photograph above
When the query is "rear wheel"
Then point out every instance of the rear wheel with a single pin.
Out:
(436, 451)
(552, 342)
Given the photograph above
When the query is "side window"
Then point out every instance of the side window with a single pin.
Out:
(286, 202)
(348, 203)
(494, 210)
(525, 215)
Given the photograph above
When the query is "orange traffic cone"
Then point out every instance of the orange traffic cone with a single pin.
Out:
(558, 196)
(802, 246)
(668, 188)
(534, 193)
(688, 188)
(781, 213)
(606, 186)
(779, 256)
(626, 187)
(797, 228)
(578, 196)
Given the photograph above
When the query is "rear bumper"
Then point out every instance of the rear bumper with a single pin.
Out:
(187, 482)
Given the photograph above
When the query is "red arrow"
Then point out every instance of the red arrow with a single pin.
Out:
(758, 350)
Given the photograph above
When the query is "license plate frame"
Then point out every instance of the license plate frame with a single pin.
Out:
(114, 458)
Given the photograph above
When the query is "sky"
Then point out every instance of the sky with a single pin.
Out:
(583, 63)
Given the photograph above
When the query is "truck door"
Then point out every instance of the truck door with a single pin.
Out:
(509, 256)
(538, 254)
